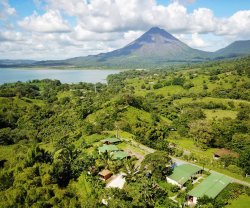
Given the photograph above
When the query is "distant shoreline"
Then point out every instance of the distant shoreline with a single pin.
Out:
(61, 68)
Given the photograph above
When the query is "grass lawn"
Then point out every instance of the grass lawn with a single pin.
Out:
(170, 90)
(64, 94)
(90, 139)
(121, 134)
(21, 103)
(211, 99)
(218, 114)
(243, 201)
(132, 114)
(188, 144)
(130, 147)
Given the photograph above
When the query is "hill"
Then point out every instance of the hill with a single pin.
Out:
(237, 48)
(50, 134)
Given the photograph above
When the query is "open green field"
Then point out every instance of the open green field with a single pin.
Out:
(129, 147)
(132, 114)
(121, 134)
(223, 101)
(188, 145)
(219, 114)
(243, 201)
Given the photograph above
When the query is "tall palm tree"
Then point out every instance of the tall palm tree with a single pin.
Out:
(131, 171)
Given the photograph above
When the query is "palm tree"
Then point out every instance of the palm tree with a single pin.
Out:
(131, 171)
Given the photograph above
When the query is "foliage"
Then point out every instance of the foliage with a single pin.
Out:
(157, 164)
(50, 132)
(244, 161)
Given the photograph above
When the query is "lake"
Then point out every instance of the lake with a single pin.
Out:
(65, 76)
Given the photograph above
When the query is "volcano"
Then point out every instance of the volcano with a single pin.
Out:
(154, 48)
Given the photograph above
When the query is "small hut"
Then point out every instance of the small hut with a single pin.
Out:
(105, 174)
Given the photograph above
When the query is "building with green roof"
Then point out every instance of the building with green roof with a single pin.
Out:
(111, 140)
(119, 155)
(210, 187)
(107, 148)
(182, 173)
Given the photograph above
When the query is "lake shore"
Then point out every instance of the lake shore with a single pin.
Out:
(8, 75)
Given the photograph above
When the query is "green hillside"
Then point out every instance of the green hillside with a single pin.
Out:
(50, 134)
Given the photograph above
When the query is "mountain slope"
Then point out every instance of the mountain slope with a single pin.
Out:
(8, 62)
(237, 48)
(154, 47)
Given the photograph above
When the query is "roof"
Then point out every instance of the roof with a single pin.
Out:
(119, 155)
(111, 140)
(107, 148)
(105, 172)
(223, 152)
(182, 173)
(211, 186)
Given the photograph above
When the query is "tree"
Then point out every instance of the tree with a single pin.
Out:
(157, 163)
(131, 170)
(188, 85)
(205, 87)
(145, 192)
(6, 136)
(240, 142)
(223, 130)
(243, 114)
(178, 81)
(66, 166)
(61, 167)
(244, 161)
(201, 131)
(204, 200)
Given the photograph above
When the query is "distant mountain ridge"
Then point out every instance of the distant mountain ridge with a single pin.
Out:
(236, 48)
(156, 47)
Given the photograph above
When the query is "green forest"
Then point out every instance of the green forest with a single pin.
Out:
(50, 133)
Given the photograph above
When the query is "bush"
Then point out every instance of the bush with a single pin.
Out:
(235, 169)
(174, 189)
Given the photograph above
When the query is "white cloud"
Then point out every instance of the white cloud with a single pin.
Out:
(184, 1)
(81, 34)
(196, 41)
(123, 15)
(71, 7)
(132, 35)
(6, 10)
(104, 25)
(50, 22)
(10, 36)
(236, 25)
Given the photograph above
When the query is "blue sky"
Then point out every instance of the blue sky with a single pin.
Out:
(221, 8)
(55, 29)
